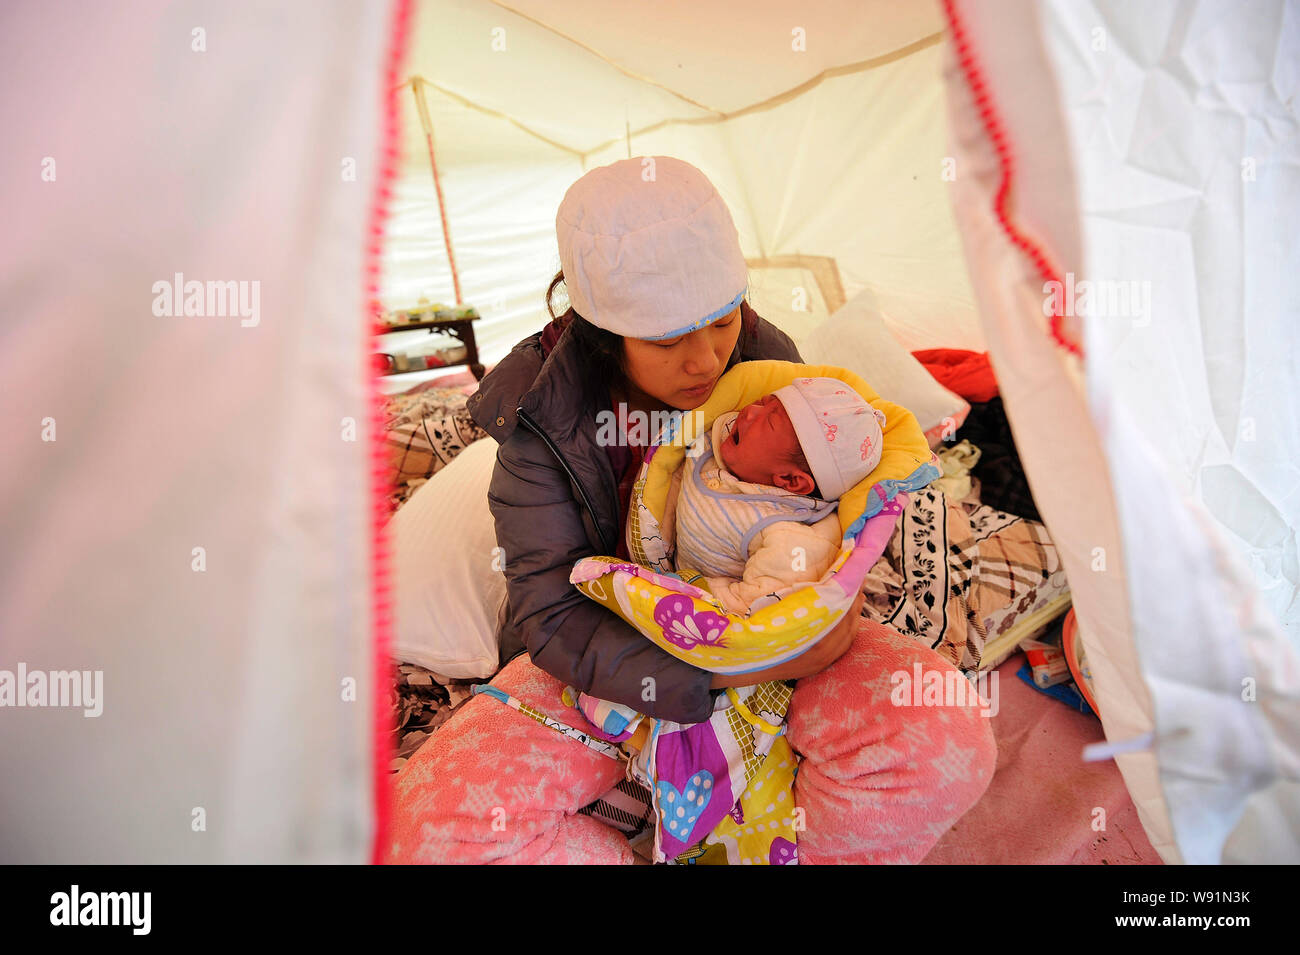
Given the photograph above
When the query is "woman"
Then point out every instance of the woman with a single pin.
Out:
(656, 280)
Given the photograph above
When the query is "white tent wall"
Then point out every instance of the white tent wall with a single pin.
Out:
(1187, 139)
(500, 186)
(1043, 393)
(846, 165)
(225, 733)
(504, 246)
(1186, 151)
(1173, 626)
(843, 170)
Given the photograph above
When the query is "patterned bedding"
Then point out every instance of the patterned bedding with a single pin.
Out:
(424, 431)
(968, 581)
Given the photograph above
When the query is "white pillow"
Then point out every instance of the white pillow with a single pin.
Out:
(855, 337)
(447, 592)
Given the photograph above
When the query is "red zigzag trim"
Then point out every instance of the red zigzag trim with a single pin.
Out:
(996, 132)
(383, 674)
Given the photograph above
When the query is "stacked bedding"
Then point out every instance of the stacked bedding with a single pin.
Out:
(968, 581)
(425, 429)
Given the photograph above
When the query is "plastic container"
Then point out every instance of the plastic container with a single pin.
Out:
(1077, 660)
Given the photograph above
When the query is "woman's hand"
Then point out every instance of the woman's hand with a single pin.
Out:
(826, 651)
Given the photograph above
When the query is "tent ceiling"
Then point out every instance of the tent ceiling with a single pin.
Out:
(678, 59)
(833, 152)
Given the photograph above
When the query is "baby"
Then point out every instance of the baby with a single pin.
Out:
(754, 503)
(753, 507)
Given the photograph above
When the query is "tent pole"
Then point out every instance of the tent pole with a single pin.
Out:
(423, 107)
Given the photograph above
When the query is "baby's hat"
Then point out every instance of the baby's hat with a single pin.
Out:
(840, 433)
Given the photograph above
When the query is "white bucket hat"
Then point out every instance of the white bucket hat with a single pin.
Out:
(839, 431)
(649, 249)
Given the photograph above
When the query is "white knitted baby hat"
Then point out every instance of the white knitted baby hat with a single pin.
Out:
(840, 433)
(649, 249)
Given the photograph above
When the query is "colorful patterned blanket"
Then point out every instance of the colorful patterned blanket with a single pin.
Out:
(723, 788)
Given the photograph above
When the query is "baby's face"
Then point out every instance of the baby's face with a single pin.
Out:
(762, 446)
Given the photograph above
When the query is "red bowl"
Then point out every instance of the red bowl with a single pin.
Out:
(1072, 647)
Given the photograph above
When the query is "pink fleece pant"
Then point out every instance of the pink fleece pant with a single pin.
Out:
(879, 783)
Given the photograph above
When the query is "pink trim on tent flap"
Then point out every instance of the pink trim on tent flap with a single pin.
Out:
(380, 605)
(996, 132)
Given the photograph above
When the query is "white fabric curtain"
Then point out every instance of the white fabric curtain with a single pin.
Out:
(210, 140)
(1187, 143)
(1132, 486)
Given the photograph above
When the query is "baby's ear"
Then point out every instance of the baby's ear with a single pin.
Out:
(796, 482)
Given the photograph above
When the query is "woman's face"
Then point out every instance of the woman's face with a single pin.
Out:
(681, 372)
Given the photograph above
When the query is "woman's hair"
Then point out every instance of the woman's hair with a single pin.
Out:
(603, 350)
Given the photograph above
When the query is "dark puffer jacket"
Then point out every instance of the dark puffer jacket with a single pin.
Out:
(554, 496)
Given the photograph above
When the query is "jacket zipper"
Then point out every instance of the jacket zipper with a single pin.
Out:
(532, 426)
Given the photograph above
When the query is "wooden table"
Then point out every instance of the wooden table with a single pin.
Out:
(458, 328)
